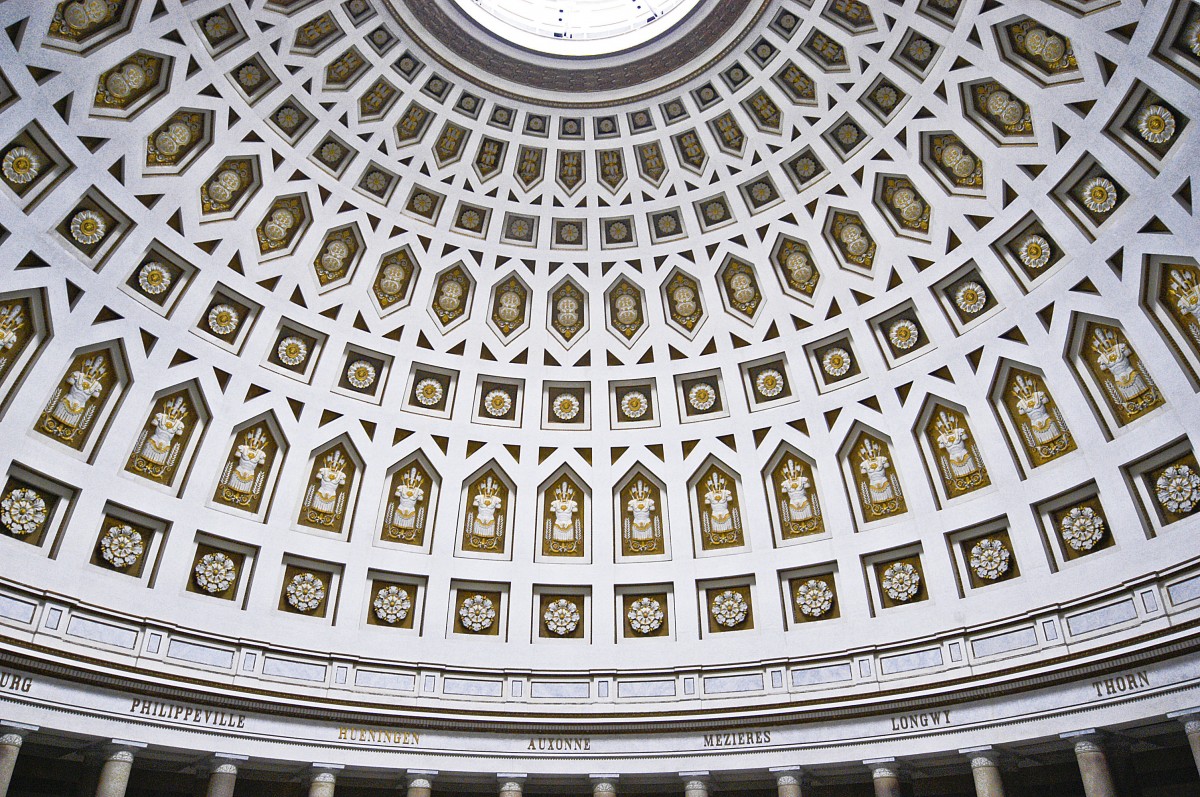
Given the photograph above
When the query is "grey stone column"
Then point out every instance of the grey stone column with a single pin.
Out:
(223, 775)
(1192, 729)
(886, 776)
(114, 773)
(604, 785)
(12, 736)
(511, 783)
(420, 782)
(1093, 765)
(324, 780)
(985, 769)
(695, 784)
(789, 781)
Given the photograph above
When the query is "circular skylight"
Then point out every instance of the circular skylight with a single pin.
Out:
(577, 27)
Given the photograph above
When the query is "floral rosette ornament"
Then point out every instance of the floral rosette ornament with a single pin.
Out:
(702, 397)
(645, 615)
(305, 592)
(1082, 528)
(477, 613)
(634, 405)
(22, 511)
(769, 383)
(429, 392)
(392, 604)
(814, 598)
(565, 406)
(121, 546)
(561, 617)
(360, 374)
(989, 559)
(1178, 489)
(154, 279)
(497, 403)
(730, 609)
(836, 362)
(215, 572)
(901, 582)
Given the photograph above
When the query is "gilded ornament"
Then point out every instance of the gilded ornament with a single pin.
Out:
(21, 165)
(702, 397)
(901, 582)
(497, 403)
(903, 334)
(1082, 528)
(88, 227)
(305, 592)
(729, 609)
(1099, 195)
(565, 406)
(121, 546)
(292, 351)
(223, 319)
(392, 604)
(634, 405)
(23, 511)
(360, 374)
(836, 362)
(769, 383)
(429, 392)
(215, 572)
(814, 598)
(154, 279)
(1156, 124)
(157, 450)
(645, 616)
(1178, 489)
(324, 502)
(1035, 251)
(561, 617)
(970, 297)
(242, 481)
(989, 559)
(477, 613)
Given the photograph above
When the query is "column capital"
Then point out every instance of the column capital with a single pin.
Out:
(1189, 718)
(512, 781)
(19, 730)
(420, 778)
(324, 773)
(226, 763)
(695, 775)
(1085, 741)
(787, 776)
(883, 767)
(983, 756)
(122, 750)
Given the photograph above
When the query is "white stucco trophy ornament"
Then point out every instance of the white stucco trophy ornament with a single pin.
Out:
(563, 530)
(72, 409)
(485, 527)
(158, 453)
(720, 520)
(1042, 429)
(326, 500)
(642, 530)
(408, 513)
(242, 481)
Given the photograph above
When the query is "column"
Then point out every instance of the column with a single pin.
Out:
(118, 763)
(12, 735)
(886, 777)
(604, 785)
(223, 775)
(324, 780)
(1093, 765)
(1191, 726)
(420, 782)
(985, 769)
(511, 783)
(788, 781)
(695, 784)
